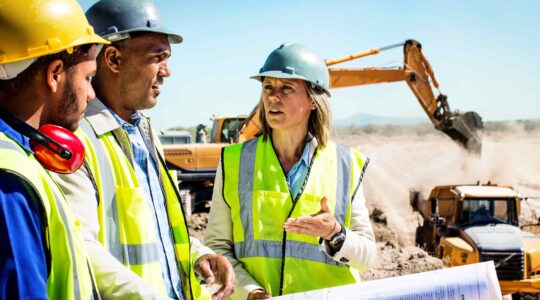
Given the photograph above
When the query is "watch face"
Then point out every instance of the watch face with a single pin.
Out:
(340, 237)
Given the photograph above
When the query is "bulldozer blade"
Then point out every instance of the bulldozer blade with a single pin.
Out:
(466, 129)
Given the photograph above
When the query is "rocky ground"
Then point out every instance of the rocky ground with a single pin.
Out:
(421, 161)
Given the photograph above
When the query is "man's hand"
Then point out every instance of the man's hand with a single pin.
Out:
(258, 294)
(216, 269)
(321, 224)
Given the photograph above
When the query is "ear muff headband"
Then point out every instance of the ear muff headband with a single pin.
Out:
(55, 147)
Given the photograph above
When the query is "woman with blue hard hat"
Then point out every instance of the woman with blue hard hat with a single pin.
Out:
(288, 209)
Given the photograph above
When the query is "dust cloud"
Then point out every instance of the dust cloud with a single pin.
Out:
(423, 158)
(509, 156)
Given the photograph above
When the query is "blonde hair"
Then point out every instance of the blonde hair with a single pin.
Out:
(319, 122)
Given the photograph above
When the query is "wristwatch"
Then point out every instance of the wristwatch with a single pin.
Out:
(337, 240)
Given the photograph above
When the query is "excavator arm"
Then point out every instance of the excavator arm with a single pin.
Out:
(465, 128)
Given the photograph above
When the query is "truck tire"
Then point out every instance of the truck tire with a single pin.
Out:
(427, 238)
(526, 296)
(419, 237)
(201, 199)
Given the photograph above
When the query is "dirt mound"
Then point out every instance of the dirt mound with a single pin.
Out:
(392, 259)
(197, 224)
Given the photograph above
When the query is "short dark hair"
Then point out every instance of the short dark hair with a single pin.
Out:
(79, 54)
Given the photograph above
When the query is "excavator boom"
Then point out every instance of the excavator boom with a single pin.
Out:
(464, 128)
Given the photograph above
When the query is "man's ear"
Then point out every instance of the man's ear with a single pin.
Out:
(55, 74)
(112, 57)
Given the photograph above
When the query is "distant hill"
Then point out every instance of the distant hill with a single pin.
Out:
(367, 119)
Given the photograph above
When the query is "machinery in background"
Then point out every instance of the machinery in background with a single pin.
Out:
(466, 224)
(196, 164)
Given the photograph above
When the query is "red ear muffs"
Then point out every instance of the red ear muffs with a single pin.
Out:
(61, 151)
(56, 148)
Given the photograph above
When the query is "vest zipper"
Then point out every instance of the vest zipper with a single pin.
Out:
(283, 243)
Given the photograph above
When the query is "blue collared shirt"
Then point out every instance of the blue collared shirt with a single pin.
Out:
(297, 174)
(23, 272)
(147, 175)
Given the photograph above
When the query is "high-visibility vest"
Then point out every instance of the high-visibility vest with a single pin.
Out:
(256, 190)
(126, 225)
(70, 275)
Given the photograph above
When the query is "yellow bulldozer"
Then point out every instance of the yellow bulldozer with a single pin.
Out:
(465, 224)
(196, 163)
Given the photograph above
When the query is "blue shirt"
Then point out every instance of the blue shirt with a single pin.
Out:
(147, 175)
(23, 266)
(297, 174)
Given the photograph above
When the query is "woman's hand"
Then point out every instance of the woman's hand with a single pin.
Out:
(321, 224)
(258, 294)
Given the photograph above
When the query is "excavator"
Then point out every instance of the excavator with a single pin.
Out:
(464, 128)
(196, 163)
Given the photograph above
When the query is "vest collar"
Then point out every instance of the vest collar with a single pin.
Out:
(312, 141)
(100, 118)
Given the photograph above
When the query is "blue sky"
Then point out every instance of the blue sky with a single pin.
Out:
(485, 54)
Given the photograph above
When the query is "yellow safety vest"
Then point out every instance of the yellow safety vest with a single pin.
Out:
(125, 220)
(256, 190)
(70, 275)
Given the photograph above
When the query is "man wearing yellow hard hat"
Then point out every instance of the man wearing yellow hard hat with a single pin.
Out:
(47, 59)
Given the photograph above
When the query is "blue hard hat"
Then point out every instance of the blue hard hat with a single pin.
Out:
(296, 62)
(115, 19)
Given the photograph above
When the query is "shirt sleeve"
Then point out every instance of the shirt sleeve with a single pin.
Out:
(219, 237)
(198, 250)
(359, 249)
(113, 279)
(23, 260)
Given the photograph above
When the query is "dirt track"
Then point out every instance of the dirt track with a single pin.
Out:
(422, 161)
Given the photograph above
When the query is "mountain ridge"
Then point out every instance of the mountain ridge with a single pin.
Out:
(363, 119)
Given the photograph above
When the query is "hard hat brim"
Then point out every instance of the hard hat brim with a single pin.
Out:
(173, 38)
(283, 75)
(90, 39)
(277, 74)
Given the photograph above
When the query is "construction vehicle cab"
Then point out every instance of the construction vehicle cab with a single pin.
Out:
(195, 163)
(226, 129)
(175, 137)
(465, 224)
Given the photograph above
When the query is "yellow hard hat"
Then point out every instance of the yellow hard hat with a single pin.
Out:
(34, 28)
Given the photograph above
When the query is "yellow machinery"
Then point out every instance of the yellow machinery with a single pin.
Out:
(465, 224)
(196, 163)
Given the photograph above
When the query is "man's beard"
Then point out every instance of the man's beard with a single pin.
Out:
(68, 107)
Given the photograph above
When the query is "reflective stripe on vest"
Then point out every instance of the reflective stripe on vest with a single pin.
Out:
(127, 254)
(255, 188)
(125, 215)
(71, 275)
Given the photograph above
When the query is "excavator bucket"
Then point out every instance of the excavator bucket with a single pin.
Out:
(464, 128)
